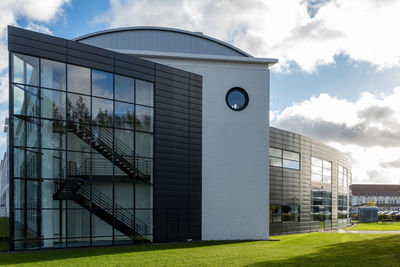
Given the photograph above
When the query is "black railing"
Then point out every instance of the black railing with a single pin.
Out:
(104, 137)
(76, 187)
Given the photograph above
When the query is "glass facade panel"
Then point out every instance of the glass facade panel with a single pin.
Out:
(53, 165)
(82, 164)
(144, 118)
(275, 162)
(102, 84)
(274, 152)
(284, 158)
(144, 144)
(124, 115)
(78, 108)
(53, 104)
(53, 134)
(78, 79)
(144, 93)
(25, 69)
(52, 74)
(26, 100)
(291, 155)
(290, 164)
(102, 111)
(124, 89)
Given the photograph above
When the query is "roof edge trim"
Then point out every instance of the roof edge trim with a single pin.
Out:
(139, 28)
(151, 54)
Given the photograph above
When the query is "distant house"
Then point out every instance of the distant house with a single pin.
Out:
(385, 196)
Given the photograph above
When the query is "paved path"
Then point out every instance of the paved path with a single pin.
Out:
(366, 232)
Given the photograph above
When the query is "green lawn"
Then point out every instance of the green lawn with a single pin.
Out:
(314, 249)
(377, 226)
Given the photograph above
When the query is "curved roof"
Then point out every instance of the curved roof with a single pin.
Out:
(160, 39)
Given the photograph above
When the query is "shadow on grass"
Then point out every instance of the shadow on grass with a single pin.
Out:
(379, 251)
(70, 253)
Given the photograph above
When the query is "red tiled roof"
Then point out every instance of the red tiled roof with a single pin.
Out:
(375, 189)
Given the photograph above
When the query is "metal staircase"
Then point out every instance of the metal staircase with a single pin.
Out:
(101, 139)
(79, 190)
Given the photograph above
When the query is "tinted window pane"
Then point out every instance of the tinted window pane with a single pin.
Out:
(102, 111)
(26, 132)
(53, 134)
(275, 162)
(291, 155)
(316, 170)
(53, 164)
(316, 162)
(124, 115)
(53, 104)
(52, 74)
(144, 93)
(124, 144)
(327, 179)
(78, 79)
(327, 164)
(144, 118)
(78, 137)
(78, 108)
(274, 152)
(25, 69)
(102, 84)
(144, 144)
(237, 99)
(291, 164)
(124, 89)
(26, 100)
(316, 177)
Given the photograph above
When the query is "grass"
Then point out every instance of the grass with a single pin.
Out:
(376, 226)
(313, 249)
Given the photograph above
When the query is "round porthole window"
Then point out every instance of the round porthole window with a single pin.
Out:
(237, 99)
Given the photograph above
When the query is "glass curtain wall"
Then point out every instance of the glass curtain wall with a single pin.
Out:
(343, 185)
(321, 194)
(82, 149)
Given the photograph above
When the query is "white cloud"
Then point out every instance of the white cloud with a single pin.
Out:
(368, 130)
(38, 14)
(309, 33)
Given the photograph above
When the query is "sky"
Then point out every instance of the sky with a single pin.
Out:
(338, 77)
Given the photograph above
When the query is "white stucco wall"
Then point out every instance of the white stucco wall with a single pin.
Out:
(235, 197)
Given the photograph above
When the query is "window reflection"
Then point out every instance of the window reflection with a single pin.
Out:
(78, 79)
(53, 104)
(26, 100)
(144, 118)
(78, 108)
(102, 84)
(52, 74)
(102, 111)
(87, 146)
(124, 115)
(321, 170)
(25, 69)
(124, 89)
(144, 93)
(144, 144)
(284, 158)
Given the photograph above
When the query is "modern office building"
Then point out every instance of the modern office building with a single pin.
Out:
(385, 196)
(136, 135)
(4, 178)
(309, 184)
